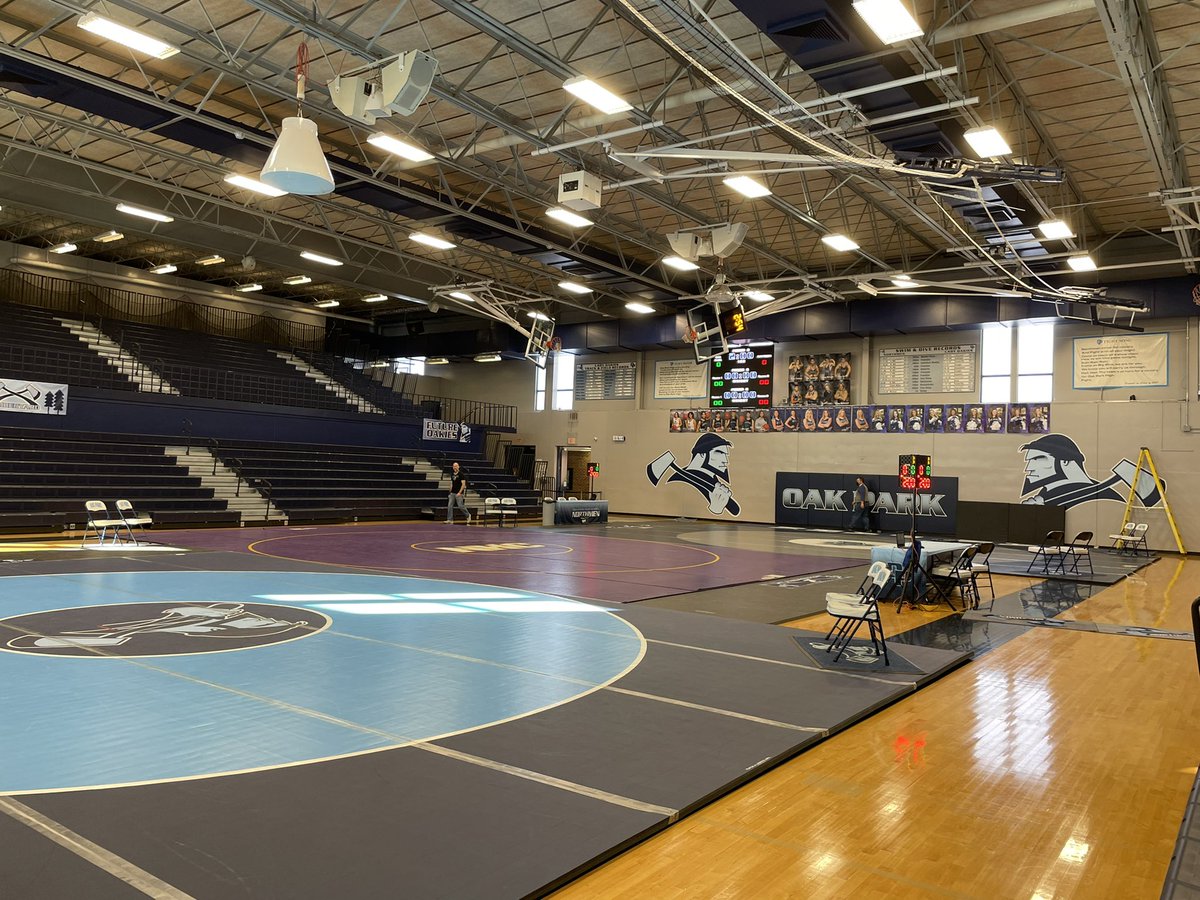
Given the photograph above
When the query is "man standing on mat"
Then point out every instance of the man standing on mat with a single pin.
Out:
(860, 514)
(458, 490)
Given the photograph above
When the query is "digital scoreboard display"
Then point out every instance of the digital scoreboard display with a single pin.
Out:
(741, 378)
(916, 472)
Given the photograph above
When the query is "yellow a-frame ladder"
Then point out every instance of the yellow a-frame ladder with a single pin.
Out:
(1146, 460)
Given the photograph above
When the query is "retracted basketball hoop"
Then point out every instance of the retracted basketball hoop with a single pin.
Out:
(554, 344)
(690, 335)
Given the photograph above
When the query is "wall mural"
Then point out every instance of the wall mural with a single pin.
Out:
(950, 418)
(1055, 476)
(708, 472)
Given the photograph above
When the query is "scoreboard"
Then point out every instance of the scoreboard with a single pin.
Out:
(916, 472)
(741, 377)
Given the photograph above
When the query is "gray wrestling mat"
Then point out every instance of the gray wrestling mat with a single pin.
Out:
(770, 602)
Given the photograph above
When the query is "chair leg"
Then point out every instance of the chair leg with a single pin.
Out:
(849, 638)
(877, 628)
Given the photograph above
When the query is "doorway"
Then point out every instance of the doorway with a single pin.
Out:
(571, 475)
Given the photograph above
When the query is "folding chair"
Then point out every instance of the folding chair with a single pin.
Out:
(1079, 548)
(849, 611)
(1139, 539)
(958, 576)
(132, 517)
(491, 507)
(1049, 549)
(99, 521)
(1122, 538)
(508, 507)
(981, 568)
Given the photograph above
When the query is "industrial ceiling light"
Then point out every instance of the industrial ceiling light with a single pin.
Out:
(987, 142)
(758, 296)
(679, 264)
(165, 269)
(574, 287)
(839, 242)
(487, 357)
(400, 148)
(538, 316)
(463, 296)
(248, 288)
(318, 258)
(1081, 263)
(107, 237)
(210, 260)
(594, 95)
(327, 304)
(639, 308)
(890, 21)
(64, 248)
(143, 213)
(903, 281)
(430, 241)
(1055, 230)
(436, 361)
(297, 279)
(253, 184)
(374, 298)
(296, 164)
(567, 217)
(134, 40)
(747, 186)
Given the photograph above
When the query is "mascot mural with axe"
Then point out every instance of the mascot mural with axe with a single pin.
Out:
(708, 472)
(1055, 476)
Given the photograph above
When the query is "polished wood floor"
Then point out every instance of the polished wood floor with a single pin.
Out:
(1056, 766)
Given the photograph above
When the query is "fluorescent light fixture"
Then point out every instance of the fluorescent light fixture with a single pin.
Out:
(839, 242)
(567, 217)
(463, 296)
(430, 241)
(64, 248)
(374, 298)
(987, 142)
(165, 269)
(327, 304)
(297, 279)
(108, 237)
(747, 186)
(488, 357)
(574, 287)
(436, 361)
(639, 308)
(210, 260)
(318, 258)
(143, 213)
(594, 95)
(135, 40)
(759, 296)
(1055, 230)
(890, 21)
(539, 316)
(397, 147)
(679, 263)
(253, 184)
(903, 281)
(1081, 263)
(248, 288)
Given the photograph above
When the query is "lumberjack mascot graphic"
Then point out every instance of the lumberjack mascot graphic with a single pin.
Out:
(708, 472)
(1055, 476)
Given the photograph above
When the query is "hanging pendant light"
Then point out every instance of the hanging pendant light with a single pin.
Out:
(296, 164)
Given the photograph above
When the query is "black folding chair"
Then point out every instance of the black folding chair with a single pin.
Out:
(1080, 548)
(849, 611)
(981, 568)
(958, 576)
(1050, 549)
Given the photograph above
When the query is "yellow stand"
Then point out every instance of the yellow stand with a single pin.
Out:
(1144, 458)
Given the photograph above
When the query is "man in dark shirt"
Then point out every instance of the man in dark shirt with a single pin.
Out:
(860, 509)
(458, 492)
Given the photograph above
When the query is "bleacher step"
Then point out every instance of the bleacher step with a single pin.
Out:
(145, 378)
(239, 495)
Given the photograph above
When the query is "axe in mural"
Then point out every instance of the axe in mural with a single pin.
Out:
(1055, 476)
(708, 472)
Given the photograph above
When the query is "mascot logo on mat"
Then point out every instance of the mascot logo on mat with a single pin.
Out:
(1055, 476)
(708, 472)
(158, 629)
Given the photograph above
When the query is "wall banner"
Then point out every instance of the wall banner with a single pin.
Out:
(1121, 360)
(823, 500)
(19, 395)
(679, 379)
(437, 430)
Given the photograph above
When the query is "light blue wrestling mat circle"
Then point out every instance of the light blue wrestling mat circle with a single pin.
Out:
(121, 678)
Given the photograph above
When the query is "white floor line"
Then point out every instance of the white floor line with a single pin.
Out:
(718, 711)
(116, 866)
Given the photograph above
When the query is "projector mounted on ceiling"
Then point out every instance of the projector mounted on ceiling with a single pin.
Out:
(394, 85)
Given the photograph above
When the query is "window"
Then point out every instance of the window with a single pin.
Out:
(406, 365)
(995, 363)
(564, 380)
(539, 386)
(1035, 362)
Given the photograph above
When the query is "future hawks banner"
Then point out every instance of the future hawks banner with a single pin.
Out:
(19, 395)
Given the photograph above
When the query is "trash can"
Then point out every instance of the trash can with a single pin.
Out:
(548, 512)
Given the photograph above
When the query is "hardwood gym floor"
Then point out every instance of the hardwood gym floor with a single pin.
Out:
(1055, 766)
